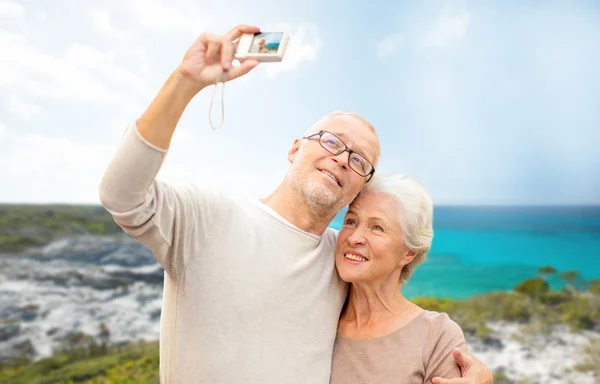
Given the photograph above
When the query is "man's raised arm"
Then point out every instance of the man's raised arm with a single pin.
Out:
(144, 208)
(202, 66)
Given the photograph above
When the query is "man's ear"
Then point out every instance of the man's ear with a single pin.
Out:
(294, 150)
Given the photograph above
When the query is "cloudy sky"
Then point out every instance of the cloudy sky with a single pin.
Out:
(484, 102)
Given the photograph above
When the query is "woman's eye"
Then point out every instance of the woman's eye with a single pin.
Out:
(378, 228)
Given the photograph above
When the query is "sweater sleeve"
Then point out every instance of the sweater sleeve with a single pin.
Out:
(160, 216)
(446, 336)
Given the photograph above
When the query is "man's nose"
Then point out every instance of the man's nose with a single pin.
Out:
(342, 159)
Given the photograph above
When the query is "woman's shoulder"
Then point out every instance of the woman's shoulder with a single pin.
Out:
(444, 334)
(441, 324)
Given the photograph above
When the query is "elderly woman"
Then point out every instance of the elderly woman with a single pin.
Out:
(383, 337)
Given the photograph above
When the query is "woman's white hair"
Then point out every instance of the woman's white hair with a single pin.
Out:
(416, 215)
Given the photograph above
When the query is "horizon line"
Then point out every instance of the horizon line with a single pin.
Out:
(466, 205)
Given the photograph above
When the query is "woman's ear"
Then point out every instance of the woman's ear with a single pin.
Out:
(407, 258)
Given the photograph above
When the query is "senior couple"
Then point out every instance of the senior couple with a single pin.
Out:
(263, 291)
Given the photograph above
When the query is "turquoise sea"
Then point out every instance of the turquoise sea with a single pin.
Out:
(482, 249)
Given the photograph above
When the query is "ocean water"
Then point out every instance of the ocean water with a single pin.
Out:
(482, 249)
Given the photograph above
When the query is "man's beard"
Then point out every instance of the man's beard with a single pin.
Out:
(318, 196)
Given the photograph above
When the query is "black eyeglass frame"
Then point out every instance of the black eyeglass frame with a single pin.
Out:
(345, 149)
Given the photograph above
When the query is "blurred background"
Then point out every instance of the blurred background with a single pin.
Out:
(493, 106)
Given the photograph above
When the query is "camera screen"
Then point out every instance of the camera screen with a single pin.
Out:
(266, 42)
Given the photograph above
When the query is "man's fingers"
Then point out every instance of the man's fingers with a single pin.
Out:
(205, 38)
(221, 50)
(212, 51)
(441, 380)
(244, 67)
(239, 30)
(462, 359)
(226, 53)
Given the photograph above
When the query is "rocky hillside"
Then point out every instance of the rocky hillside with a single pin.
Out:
(76, 294)
(74, 289)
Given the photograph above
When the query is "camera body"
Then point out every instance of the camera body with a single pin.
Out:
(262, 46)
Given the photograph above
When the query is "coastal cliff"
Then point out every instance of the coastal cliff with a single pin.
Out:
(82, 304)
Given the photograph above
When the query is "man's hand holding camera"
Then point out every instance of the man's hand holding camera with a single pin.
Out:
(209, 59)
(206, 62)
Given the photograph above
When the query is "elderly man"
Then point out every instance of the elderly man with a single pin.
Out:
(251, 294)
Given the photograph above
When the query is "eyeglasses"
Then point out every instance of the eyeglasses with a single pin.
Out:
(335, 146)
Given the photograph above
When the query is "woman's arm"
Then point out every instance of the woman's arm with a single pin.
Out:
(446, 336)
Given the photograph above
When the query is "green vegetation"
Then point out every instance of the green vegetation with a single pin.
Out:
(591, 363)
(554, 308)
(533, 288)
(536, 307)
(23, 226)
(500, 378)
(531, 304)
(92, 363)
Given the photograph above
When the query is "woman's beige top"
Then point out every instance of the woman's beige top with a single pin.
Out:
(415, 353)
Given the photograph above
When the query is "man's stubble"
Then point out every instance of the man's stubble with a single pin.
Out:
(319, 198)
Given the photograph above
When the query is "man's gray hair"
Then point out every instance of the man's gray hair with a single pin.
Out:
(315, 127)
(356, 115)
(416, 215)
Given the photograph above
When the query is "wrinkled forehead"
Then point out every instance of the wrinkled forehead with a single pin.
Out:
(374, 204)
(357, 134)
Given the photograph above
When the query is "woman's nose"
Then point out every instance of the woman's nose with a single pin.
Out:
(356, 237)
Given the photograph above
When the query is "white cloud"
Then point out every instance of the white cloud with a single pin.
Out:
(36, 153)
(99, 79)
(154, 15)
(10, 9)
(41, 16)
(389, 45)
(450, 28)
(304, 45)
(101, 21)
(55, 165)
(73, 76)
(144, 60)
(70, 171)
(22, 108)
(88, 58)
(443, 29)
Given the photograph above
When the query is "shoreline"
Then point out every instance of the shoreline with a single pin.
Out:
(91, 286)
(515, 352)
